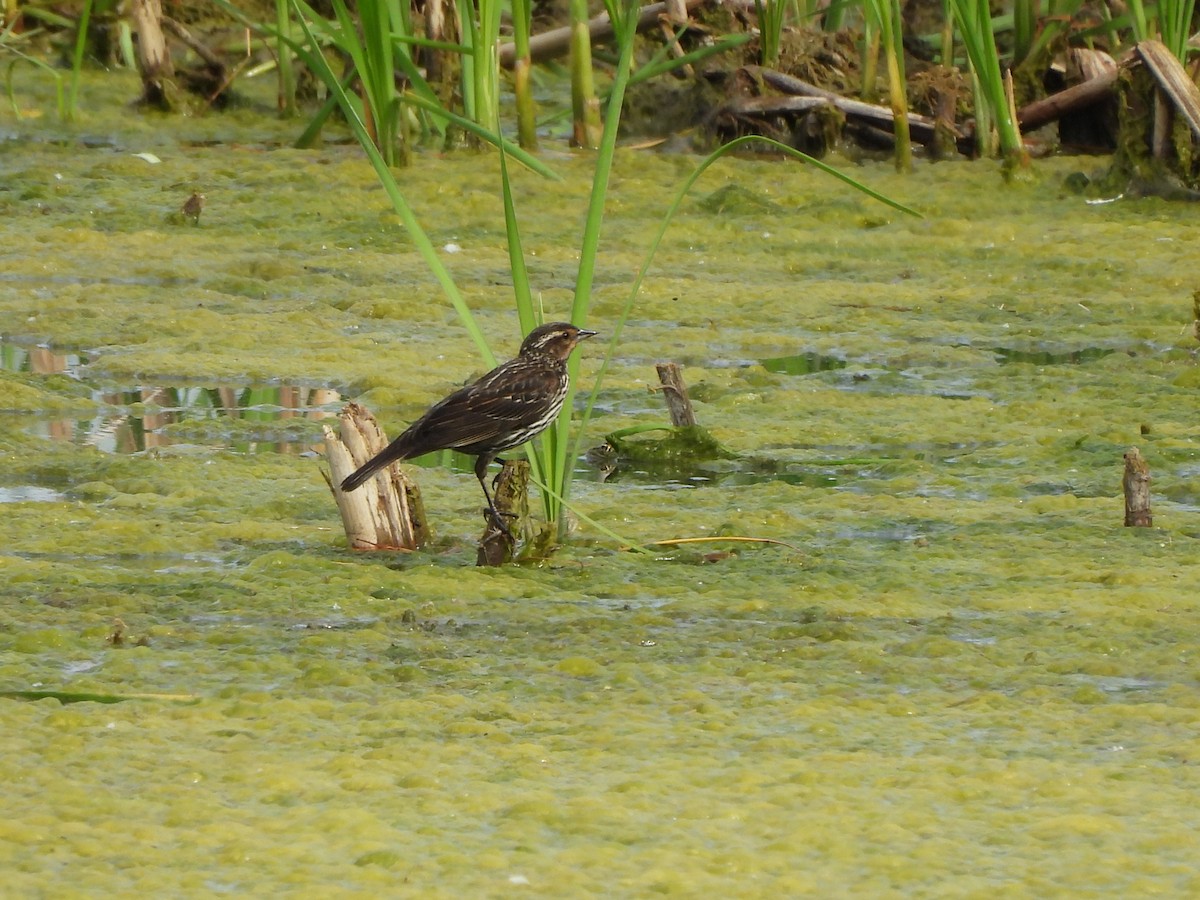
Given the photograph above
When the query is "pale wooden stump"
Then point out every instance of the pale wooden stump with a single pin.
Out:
(386, 512)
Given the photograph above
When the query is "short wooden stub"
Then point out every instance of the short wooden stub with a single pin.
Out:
(1196, 315)
(386, 512)
(498, 544)
(1137, 490)
(675, 392)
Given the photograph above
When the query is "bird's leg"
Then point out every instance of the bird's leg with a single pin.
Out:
(495, 516)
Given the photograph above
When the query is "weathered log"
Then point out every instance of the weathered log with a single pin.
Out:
(386, 513)
(555, 43)
(194, 44)
(153, 54)
(1050, 109)
(675, 392)
(920, 127)
(1173, 80)
(773, 105)
(1136, 484)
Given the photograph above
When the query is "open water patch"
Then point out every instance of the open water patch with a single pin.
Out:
(29, 493)
(1051, 355)
(803, 363)
(245, 418)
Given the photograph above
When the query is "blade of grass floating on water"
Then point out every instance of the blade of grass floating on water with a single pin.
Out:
(563, 503)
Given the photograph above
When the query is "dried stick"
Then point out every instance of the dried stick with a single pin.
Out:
(1137, 490)
(675, 392)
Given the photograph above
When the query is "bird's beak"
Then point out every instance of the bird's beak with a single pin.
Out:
(584, 334)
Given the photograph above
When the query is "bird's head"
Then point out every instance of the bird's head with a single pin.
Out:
(556, 339)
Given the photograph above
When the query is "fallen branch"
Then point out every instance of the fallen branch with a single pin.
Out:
(1054, 107)
(555, 43)
(921, 128)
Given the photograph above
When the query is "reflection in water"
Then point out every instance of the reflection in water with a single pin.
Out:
(803, 364)
(1057, 357)
(268, 417)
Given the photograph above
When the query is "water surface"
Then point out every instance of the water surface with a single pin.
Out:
(957, 674)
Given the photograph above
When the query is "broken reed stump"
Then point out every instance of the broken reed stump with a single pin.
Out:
(510, 490)
(675, 392)
(1196, 315)
(1137, 490)
(386, 512)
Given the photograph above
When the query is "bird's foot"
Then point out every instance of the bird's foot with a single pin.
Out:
(496, 518)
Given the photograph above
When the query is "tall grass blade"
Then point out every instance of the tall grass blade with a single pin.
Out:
(771, 15)
(522, 14)
(85, 16)
(287, 79)
(624, 18)
(975, 26)
(585, 108)
(885, 15)
(311, 54)
(1174, 22)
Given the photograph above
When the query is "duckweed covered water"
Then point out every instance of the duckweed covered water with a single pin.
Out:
(967, 679)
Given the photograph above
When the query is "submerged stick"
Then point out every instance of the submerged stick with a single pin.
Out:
(675, 392)
(386, 513)
(1137, 490)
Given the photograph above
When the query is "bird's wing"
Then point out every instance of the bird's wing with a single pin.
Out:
(505, 399)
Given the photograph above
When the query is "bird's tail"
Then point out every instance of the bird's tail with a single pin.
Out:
(357, 478)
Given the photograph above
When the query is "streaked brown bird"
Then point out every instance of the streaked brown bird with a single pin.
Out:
(508, 406)
(193, 206)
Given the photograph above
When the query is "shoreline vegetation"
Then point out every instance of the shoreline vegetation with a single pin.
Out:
(964, 79)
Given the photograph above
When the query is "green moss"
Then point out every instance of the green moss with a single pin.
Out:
(957, 621)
